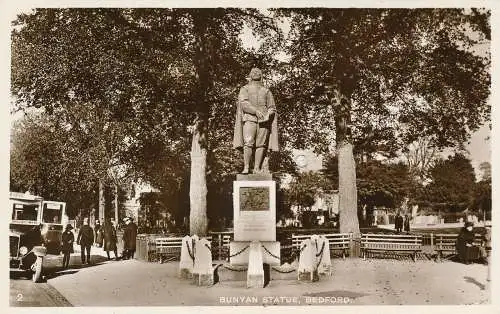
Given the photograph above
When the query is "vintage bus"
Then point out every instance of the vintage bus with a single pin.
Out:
(36, 228)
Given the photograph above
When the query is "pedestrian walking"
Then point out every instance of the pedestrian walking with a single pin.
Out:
(85, 239)
(110, 239)
(67, 244)
(129, 238)
(98, 233)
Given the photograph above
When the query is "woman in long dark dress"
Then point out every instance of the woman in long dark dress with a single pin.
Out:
(67, 245)
(465, 244)
(110, 239)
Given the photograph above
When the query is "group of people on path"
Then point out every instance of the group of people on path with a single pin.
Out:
(402, 224)
(103, 236)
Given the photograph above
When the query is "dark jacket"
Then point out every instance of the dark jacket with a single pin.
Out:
(67, 241)
(398, 222)
(465, 237)
(129, 236)
(110, 239)
(85, 236)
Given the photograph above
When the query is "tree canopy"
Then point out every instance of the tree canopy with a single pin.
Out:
(379, 79)
(44, 161)
(128, 84)
(132, 91)
(409, 73)
(453, 181)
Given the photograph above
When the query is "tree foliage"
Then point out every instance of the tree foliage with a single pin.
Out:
(420, 157)
(453, 180)
(305, 187)
(481, 197)
(380, 79)
(408, 73)
(128, 83)
(44, 161)
(380, 183)
(383, 184)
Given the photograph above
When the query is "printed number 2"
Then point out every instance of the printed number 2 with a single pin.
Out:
(19, 297)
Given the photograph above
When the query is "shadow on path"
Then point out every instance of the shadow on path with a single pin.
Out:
(474, 281)
(52, 271)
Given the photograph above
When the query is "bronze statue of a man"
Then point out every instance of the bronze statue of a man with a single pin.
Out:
(256, 126)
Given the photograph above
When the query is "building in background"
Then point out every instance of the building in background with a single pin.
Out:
(132, 204)
(326, 203)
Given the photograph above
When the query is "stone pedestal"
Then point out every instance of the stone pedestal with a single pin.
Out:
(254, 208)
(307, 270)
(255, 273)
(186, 263)
(203, 273)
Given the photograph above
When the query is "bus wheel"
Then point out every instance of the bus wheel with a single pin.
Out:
(37, 269)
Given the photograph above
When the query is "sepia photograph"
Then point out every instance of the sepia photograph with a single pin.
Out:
(262, 156)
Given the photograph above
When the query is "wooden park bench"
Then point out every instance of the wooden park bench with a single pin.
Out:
(337, 241)
(169, 248)
(445, 243)
(410, 244)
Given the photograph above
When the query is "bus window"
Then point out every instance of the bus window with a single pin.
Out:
(52, 213)
(24, 212)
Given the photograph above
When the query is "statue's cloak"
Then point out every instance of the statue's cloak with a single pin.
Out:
(238, 130)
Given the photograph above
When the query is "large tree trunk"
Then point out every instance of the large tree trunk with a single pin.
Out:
(198, 221)
(102, 200)
(198, 183)
(348, 196)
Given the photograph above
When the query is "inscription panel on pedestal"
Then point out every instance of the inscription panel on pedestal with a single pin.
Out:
(254, 210)
(254, 198)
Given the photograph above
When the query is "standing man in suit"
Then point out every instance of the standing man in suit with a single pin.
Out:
(85, 239)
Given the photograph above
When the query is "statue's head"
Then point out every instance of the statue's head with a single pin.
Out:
(255, 74)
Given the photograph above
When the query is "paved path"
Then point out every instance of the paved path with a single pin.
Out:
(24, 292)
(355, 281)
